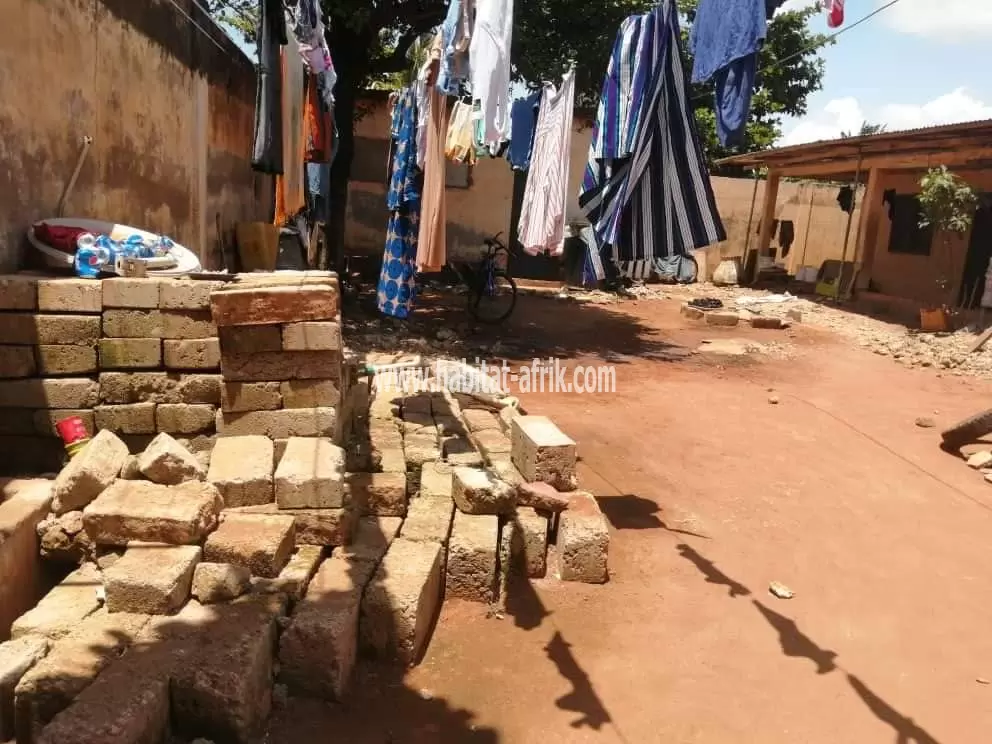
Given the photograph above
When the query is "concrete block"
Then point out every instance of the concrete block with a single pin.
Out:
(168, 463)
(132, 292)
(185, 418)
(692, 313)
(152, 579)
(493, 444)
(260, 543)
(310, 394)
(402, 600)
(147, 512)
(419, 449)
(17, 422)
(19, 292)
(24, 504)
(378, 494)
(17, 361)
(583, 541)
(49, 393)
(199, 389)
(16, 658)
(187, 324)
(242, 470)
(71, 665)
(529, 543)
(250, 339)
(132, 324)
(312, 336)
(119, 388)
(436, 481)
(372, 539)
(284, 424)
(479, 420)
(281, 365)
(269, 305)
(136, 418)
(220, 582)
(428, 520)
(200, 353)
(295, 577)
(69, 295)
(722, 318)
(477, 491)
(89, 473)
(472, 549)
(187, 294)
(768, 322)
(26, 329)
(459, 451)
(66, 359)
(130, 353)
(542, 452)
(244, 397)
(320, 527)
(61, 610)
(310, 475)
(507, 472)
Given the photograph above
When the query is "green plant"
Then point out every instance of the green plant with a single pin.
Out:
(947, 206)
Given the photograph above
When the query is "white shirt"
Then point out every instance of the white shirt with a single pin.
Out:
(489, 58)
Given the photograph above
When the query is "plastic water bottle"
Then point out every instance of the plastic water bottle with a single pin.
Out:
(91, 256)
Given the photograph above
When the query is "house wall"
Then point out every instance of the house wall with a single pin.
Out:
(169, 107)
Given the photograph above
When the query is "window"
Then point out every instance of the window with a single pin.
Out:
(906, 235)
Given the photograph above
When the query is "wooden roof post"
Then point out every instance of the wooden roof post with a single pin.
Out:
(871, 210)
(767, 221)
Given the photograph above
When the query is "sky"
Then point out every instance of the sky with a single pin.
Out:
(918, 63)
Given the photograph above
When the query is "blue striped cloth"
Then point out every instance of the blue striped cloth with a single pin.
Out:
(646, 188)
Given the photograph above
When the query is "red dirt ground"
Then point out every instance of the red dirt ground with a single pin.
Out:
(712, 493)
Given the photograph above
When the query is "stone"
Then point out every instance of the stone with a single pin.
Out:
(136, 418)
(61, 610)
(201, 353)
(312, 336)
(295, 577)
(493, 444)
(459, 451)
(284, 424)
(472, 548)
(187, 294)
(66, 359)
(479, 420)
(529, 543)
(242, 470)
(268, 305)
(187, 324)
(119, 388)
(132, 324)
(16, 658)
(692, 313)
(542, 496)
(71, 665)
(130, 353)
(89, 473)
(200, 389)
(795, 314)
(507, 472)
(428, 520)
(378, 494)
(25, 329)
(24, 503)
(542, 452)
(722, 318)
(219, 582)
(583, 541)
(130, 469)
(260, 543)
(62, 538)
(185, 418)
(769, 322)
(147, 512)
(436, 481)
(421, 448)
(151, 579)
(17, 361)
(980, 460)
(49, 393)
(372, 539)
(250, 339)
(242, 397)
(310, 475)
(281, 365)
(131, 292)
(69, 295)
(477, 491)
(402, 601)
(19, 292)
(310, 394)
(168, 463)
(320, 527)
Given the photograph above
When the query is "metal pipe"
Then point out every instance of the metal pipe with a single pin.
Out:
(87, 141)
(847, 230)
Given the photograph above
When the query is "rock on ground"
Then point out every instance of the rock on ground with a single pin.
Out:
(220, 582)
(168, 463)
(89, 472)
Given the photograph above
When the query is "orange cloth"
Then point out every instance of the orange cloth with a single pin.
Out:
(431, 242)
(290, 194)
(317, 125)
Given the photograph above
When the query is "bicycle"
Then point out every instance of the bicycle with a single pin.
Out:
(492, 293)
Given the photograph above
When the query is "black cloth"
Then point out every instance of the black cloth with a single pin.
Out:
(786, 236)
(845, 198)
(266, 156)
(771, 6)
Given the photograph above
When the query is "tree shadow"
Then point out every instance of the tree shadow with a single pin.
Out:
(907, 730)
(713, 574)
(796, 643)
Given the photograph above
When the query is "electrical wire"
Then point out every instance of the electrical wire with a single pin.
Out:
(200, 28)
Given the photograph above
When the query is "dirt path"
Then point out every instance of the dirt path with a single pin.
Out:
(712, 493)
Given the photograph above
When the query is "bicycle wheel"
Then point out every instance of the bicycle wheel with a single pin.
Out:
(494, 303)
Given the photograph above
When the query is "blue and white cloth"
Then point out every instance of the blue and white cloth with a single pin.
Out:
(646, 188)
(397, 280)
(523, 123)
(455, 37)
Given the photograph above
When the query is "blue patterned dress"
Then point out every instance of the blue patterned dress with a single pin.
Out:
(397, 282)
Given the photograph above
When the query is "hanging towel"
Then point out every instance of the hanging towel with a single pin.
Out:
(725, 38)
(523, 121)
(431, 247)
(655, 199)
(489, 56)
(460, 141)
(542, 215)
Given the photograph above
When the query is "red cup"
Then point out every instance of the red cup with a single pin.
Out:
(72, 430)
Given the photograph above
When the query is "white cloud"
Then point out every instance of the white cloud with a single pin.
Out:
(946, 19)
(847, 115)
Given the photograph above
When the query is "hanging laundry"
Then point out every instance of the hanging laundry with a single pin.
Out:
(397, 280)
(303, 16)
(489, 57)
(318, 126)
(646, 188)
(460, 141)
(523, 121)
(431, 247)
(267, 145)
(290, 193)
(542, 215)
(835, 12)
(725, 38)
(456, 36)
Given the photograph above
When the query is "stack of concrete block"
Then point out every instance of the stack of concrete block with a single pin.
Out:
(281, 355)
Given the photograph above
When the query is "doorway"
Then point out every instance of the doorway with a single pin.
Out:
(976, 261)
